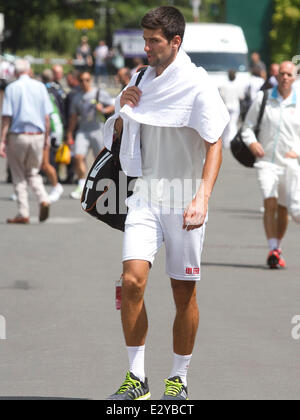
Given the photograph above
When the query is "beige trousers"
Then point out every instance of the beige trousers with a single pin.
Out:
(25, 155)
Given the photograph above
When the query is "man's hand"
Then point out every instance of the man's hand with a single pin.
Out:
(3, 149)
(257, 150)
(292, 155)
(131, 97)
(99, 107)
(195, 214)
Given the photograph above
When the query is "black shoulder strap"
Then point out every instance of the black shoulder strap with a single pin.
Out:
(116, 145)
(261, 112)
(98, 95)
(142, 71)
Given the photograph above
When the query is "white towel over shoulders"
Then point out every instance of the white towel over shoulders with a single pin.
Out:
(183, 96)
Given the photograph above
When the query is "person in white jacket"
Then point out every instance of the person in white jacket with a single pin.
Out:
(278, 147)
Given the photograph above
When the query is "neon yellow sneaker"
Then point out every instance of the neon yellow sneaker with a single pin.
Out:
(132, 389)
(175, 389)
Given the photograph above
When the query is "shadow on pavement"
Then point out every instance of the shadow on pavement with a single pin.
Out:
(236, 211)
(229, 265)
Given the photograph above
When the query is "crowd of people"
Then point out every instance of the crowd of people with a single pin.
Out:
(103, 61)
(77, 108)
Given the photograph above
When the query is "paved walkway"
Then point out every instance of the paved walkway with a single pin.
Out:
(64, 336)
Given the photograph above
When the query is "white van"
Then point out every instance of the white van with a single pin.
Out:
(218, 48)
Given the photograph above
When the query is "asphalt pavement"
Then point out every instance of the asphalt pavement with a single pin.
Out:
(63, 335)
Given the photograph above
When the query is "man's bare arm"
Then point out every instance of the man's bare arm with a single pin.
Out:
(213, 162)
(71, 128)
(110, 109)
(6, 122)
(195, 214)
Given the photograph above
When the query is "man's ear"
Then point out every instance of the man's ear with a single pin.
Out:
(177, 41)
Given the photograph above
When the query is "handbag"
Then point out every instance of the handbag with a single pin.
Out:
(63, 155)
(107, 187)
(240, 151)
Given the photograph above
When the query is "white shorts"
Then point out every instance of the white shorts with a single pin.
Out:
(272, 182)
(88, 140)
(147, 228)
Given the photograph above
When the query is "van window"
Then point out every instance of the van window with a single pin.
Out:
(219, 61)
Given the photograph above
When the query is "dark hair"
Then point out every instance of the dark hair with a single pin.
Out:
(75, 73)
(256, 71)
(232, 75)
(167, 18)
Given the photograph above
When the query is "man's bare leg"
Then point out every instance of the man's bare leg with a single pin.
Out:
(187, 316)
(270, 217)
(185, 327)
(80, 166)
(282, 222)
(49, 170)
(133, 310)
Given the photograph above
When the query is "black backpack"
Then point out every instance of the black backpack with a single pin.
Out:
(107, 187)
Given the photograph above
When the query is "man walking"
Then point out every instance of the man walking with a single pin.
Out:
(277, 147)
(25, 131)
(101, 56)
(171, 124)
(232, 94)
(88, 110)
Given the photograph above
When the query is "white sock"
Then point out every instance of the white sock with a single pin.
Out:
(180, 367)
(273, 243)
(81, 183)
(136, 356)
(279, 243)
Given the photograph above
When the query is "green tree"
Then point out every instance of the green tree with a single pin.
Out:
(48, 25)
(286, 29)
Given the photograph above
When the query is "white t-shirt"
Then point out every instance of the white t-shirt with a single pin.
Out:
(101, 54)
(172, 165)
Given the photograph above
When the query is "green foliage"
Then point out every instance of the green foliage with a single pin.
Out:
(286, 30)
(48, 25)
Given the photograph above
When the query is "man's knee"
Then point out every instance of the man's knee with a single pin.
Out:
(134, 280)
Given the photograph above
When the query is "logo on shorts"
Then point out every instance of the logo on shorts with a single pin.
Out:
(190, 271)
